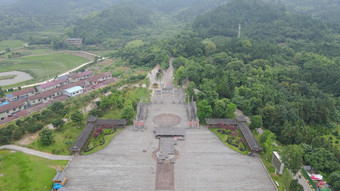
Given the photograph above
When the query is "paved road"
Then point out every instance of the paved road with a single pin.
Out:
(36, 153)
(302, 181)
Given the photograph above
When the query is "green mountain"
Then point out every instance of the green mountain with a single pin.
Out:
(265, 21)
(110, 22)
(327, 10)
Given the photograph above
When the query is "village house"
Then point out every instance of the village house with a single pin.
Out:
(52, 85)
(81, 76)
(11, 108)
(74, 91)
(74, 41)
(22, 94)
(99, 78)
(44, 97)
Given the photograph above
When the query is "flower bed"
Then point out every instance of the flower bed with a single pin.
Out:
(232, 137)
(98, 138)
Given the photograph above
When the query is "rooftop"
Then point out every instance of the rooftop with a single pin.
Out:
(44, 94)
(248, 135)
(24, 91)
(96, 77)
(11, 105)
(79, 83)
(82, 138)
(169, 131)
(223, 121)
(53, 83)
(73, 89)
(78, 75)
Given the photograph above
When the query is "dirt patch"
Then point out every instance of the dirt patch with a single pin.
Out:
(1, 175)
(28, 139)
(166, 120)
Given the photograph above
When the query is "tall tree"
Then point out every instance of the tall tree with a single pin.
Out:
(292, 157)
(204, 110)
(46, 137)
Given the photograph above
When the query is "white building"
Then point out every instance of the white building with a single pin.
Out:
(74, 91)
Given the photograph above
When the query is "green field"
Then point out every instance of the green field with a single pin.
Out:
(10, 44)
(63, 140)
(26, 172)
(135, 44)
(42, 67)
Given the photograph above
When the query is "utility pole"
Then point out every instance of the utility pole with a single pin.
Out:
(239, 31)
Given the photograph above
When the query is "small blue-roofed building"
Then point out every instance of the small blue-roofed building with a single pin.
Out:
(11, 97)
(74, 91)
(4, 103)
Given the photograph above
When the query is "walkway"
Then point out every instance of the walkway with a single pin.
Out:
(36, 153)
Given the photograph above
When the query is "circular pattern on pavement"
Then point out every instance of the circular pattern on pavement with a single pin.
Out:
(166, 120)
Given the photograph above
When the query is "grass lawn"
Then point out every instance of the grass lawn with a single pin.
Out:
(64, 139)
(8, 77)
(223, 138)
(26, 172)
(10, 44)
(137, 93)
(107, 138)
(112, 114)
(44, 66)
(135, 44)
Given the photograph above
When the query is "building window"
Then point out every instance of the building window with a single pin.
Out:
(39, 99)
(20, 107)
(33, 101)
(14, 109)
(7, 111)
(45, 98)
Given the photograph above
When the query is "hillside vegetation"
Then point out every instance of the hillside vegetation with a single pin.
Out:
(285, 76)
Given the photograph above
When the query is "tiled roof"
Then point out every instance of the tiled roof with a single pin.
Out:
(248, 135)
(96, 77)
(53, 83)
(223, 121)
(110, 81)
(44, 94)
(79, 75)
(11, 105)
(169, 131)
(81, 140)
(24, 91)
(79, 83)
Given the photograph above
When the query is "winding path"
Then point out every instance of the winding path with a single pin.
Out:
(36, 153)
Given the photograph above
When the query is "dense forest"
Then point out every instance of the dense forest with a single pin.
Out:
(284, 78)
(327, 10)
(94, 29)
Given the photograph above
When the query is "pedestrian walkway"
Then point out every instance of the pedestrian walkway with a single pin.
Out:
(36, 153)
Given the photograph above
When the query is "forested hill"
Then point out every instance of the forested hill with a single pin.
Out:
(117, 19)
(328, 10)
(36, 15)
(265, 21)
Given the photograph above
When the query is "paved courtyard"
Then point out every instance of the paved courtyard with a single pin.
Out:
(205, 163)
(202, 162)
